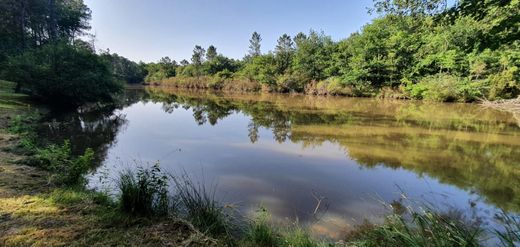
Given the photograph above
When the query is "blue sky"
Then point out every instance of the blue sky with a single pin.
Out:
(148, 30)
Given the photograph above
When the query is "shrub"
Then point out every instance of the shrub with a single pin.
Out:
(447, 88)
(65, 168)
(144, 193)
(505, 84)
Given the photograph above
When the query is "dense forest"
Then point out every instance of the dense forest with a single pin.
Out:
(420, 49)
(44, 52)
(413, 49)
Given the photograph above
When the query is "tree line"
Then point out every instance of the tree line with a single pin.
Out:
(420, 49)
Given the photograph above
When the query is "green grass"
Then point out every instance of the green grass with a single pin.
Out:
(260, 233)
(200, 207)
(427, 228)
(144, 192)
(9, 100)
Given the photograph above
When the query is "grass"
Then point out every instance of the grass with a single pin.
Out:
(199, 206)
(9, 100)
(428, 229)
(260, 232)
(510, 235)
(144, 193)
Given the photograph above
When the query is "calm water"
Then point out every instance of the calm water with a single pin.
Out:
(285, 152)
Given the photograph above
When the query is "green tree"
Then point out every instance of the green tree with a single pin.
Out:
(409, 7)
(211, 53)
(254, 45)
(312, 58)
(63, 75)
(197, 59)
(284, 51)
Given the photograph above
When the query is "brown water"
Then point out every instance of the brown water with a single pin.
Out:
(285, 152)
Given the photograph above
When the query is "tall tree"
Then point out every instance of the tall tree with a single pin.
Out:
(211, 53)
(184, 62)
(254, 45)
(284, 51)
(198, 58)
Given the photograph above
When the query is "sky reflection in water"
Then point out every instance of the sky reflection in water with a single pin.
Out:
(281, 152)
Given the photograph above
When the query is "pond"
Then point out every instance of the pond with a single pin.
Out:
(328, 163)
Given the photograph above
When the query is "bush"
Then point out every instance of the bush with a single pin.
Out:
(63, 75)
(447, 88)
(65, 169)
(505, 84)
(144, 193)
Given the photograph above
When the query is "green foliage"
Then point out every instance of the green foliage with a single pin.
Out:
(424, 229)
(220, 63)
(64, 167)
(298, 237)
(144, 193)
(260, 233)
(123, 69)
(312, 58)
(211, 53)
(41, 53)
(56, 74)
(447, 88)
(261, 68)
(254, 45)
(460, 53)
(284, 52)
(165, 68)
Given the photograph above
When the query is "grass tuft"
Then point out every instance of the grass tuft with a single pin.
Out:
(201, 208)
(144, 192)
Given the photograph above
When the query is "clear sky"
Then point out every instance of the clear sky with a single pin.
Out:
(146, 30)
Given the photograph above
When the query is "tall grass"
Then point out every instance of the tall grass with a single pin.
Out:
(260, 233)
(426, 228)
(200, 207)
(144, 192)
(510, 235)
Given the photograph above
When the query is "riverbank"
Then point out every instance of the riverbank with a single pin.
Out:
(440, 88)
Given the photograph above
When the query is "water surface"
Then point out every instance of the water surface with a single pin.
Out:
(286, 152)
